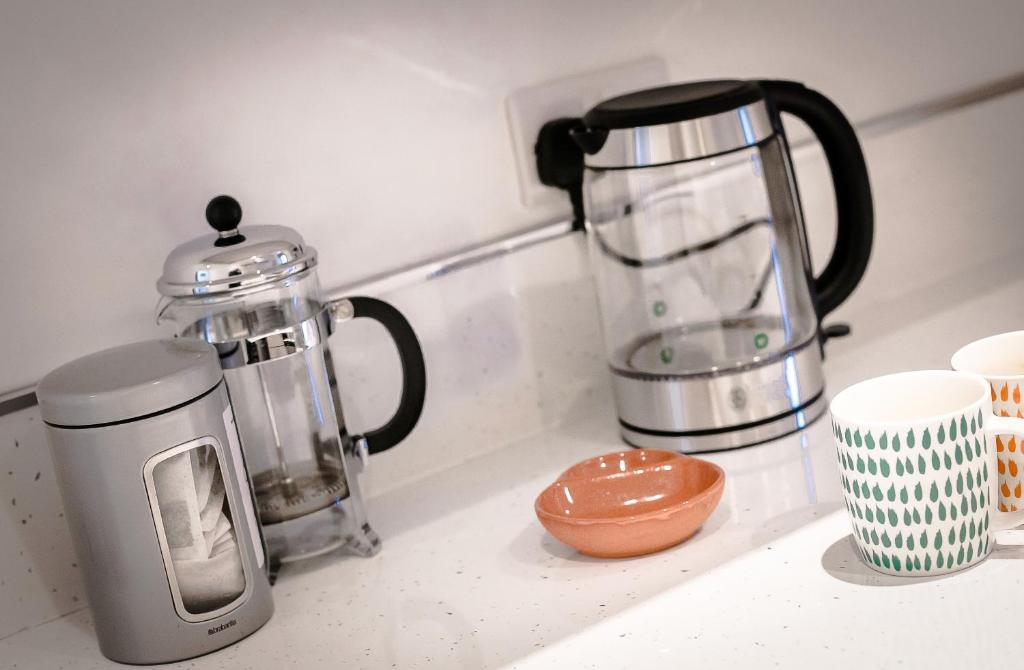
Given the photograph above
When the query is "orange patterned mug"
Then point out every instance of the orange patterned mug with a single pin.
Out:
(1000, 359)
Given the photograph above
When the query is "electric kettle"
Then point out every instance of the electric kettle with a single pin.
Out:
(711, 313)
(253, 293)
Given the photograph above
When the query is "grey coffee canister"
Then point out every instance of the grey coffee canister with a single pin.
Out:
(158, 499)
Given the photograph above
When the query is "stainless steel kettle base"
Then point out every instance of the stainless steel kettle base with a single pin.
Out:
(722, 410)
(732, 439)
(307, 488)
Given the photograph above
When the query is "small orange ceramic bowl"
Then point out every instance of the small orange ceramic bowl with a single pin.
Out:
(630, 503)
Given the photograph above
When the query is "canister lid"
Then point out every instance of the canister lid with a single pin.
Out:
(233, 260)
(128, 382)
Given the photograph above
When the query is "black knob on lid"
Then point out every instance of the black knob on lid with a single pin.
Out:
(224, 214)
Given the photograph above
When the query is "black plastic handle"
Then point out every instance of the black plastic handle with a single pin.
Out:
(414, 373)
(855, 212)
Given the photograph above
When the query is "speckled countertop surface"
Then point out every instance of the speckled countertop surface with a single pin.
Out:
(469, 579)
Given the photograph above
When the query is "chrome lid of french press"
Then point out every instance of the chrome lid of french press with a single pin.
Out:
(233, 262)
(674, 123)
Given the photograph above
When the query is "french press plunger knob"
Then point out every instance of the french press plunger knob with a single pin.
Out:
(224, 214)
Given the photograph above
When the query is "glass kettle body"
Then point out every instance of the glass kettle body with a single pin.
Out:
(258, 301)
(711, 313)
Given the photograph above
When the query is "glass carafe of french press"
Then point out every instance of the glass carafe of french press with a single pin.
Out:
(711, 314)
(253, 293)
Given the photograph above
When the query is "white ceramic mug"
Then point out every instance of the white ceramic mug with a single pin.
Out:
(1000, 360)
(918, 473)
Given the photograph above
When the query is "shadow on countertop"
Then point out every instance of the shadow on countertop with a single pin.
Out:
(843, 562)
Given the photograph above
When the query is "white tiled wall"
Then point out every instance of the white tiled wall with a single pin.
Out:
(364, 124)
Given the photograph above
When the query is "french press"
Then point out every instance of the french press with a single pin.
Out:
(255, 296)
(711, 314)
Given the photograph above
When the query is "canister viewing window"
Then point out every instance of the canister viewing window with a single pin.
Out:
(195, 524)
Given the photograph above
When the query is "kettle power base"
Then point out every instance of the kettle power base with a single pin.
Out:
(715, 411)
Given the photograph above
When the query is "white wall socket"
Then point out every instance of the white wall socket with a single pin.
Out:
(530, 108)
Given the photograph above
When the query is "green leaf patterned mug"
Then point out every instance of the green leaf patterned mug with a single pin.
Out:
(918, 472)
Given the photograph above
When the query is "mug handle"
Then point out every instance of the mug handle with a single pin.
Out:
(1002, 425)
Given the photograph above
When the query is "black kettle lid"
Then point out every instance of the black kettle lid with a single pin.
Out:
(673, 103)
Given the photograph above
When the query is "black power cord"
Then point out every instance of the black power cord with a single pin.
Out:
(560, 162)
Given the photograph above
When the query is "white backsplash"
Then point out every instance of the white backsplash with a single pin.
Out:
(377, 129)
(512, 347)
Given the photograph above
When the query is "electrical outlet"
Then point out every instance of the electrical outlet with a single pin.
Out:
(530, 108)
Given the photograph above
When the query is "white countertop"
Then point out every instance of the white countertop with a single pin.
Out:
(469, 579)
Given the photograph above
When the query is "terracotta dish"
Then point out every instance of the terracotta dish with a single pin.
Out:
(630, 503)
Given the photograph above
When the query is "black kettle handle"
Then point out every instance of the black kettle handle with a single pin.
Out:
(855, 213)
(414, 373)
